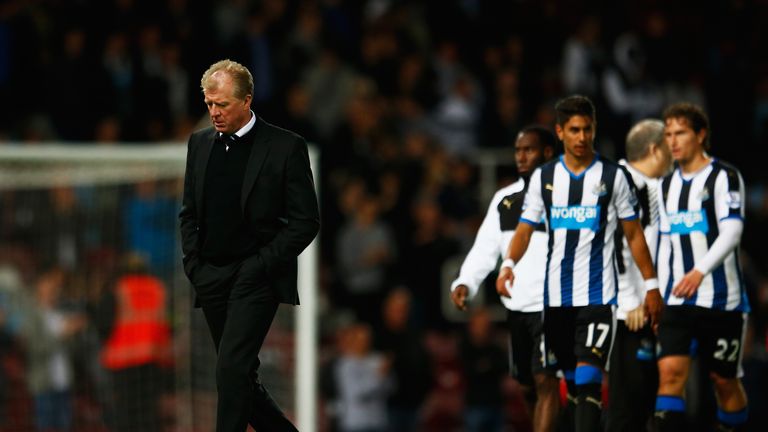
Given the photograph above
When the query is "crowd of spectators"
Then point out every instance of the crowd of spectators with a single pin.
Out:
(400, 98)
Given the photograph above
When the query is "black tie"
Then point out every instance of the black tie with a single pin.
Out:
(228, 140)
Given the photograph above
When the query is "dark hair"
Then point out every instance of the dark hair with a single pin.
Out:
(695, 116)
(572, 106)
(545, 136)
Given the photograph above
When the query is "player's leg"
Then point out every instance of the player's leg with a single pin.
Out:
(548, 401)
(594, 335)
(674, 340)
(732, 408)
(632, 366)
(521, 346)
(723, 351)
(559, 334)
(546, 382)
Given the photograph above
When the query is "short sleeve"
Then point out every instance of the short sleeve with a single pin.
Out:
(533, 206)
(624, 196)
(729, 195)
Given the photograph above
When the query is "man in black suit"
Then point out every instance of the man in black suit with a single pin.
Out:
(249, 209)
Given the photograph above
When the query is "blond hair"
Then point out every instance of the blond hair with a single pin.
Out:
(241, 78)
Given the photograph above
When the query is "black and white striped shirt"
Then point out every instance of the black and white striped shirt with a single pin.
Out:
(692, 212)
(582, 212)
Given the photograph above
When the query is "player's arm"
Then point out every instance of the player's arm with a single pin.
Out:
(636, 242)
(481, 259)
(728, 239)
(636, 318)
(517, 247)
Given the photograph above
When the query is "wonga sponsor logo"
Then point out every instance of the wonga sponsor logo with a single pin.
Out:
(686, 222)
(576, 217)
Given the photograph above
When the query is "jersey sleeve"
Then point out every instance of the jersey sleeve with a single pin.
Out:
(533, 206)
(729, 195)
(625, 196)
(729, 208)
(651, 230)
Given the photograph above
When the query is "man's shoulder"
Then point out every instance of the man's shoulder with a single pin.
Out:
(515, 186)
(279, 132)
(729, 168)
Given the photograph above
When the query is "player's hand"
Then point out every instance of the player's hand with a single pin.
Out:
(636, 318)
(653, 305)
(688, 286)
(459, 297)
(504, 281)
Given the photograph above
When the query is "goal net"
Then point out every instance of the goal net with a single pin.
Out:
(72, 216)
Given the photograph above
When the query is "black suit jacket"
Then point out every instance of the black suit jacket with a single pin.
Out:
(278, 198)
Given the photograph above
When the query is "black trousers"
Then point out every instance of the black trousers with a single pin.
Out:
(633, 379)
(239, 307)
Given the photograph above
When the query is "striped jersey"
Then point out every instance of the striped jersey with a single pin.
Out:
(691, 208)
(581, 212)
(491, 243)
(631, 292)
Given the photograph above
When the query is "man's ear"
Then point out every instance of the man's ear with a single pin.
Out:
(549, 152)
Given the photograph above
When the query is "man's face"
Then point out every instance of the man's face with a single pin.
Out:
(528, 153)
(228, 113)
(683, 141)
(577, 135)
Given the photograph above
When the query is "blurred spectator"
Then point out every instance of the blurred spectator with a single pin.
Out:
(48, 329)
(421, 266)
(62, 228)
(10, 326)
(294, 114)
(351, 145)
(485, 367)
(503, 112)
(379, 53)
(458, 199)
(363, 383)
(150, 226)
(583, 59)
(303, 44)
(365, 251)
(330, 83)
(629, 92)
(6, 343)
(404, 346)
(117, 65)
(74, 87)
(457, 116)
(260, 52)
(137, 349)
(416, 81)
(12, 299)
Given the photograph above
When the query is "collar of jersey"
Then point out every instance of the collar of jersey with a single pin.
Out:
(575, 176)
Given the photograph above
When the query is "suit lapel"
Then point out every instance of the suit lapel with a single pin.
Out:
(259, 152)
(206, 145)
